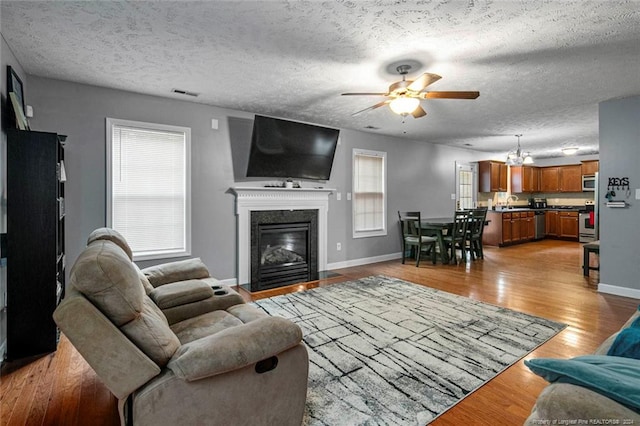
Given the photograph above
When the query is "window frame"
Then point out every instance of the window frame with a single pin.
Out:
(159, 254)
(373, 232)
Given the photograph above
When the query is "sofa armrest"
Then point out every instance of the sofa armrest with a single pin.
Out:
(562, 401)
(234, 348)
(182, 270)
(180, 293)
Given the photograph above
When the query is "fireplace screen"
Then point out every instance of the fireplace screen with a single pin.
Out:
(283, 249)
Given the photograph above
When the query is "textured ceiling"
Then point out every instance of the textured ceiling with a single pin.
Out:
(541, 66)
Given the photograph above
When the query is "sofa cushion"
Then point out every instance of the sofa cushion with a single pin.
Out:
(189, 269)
(204, 325)
(626, 343)
(614, 377)
(180, 293)
(151, 333)
(148, 288)
(113, 236)
(107, 277)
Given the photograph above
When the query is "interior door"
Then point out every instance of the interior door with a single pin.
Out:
(466, 185)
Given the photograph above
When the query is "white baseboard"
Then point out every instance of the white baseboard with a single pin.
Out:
(229, 281)
(363, 261)
(619, 291)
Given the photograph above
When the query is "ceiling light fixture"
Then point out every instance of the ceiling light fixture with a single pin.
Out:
(403, 105)
(517, 157)
(570, 150)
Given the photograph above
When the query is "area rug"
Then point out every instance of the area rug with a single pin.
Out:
(383, 351)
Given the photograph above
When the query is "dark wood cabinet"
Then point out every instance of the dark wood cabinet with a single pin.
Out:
(568, 225)
(506, 228)
(549, 179)
(551, 223)
(492, 176)
(590, 167)
(35, 240)
(525, 179)
(561, 178)
(570, 178)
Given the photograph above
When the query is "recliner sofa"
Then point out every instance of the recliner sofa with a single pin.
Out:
(175, 346)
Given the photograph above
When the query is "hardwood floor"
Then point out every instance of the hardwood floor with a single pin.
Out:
(542, 278)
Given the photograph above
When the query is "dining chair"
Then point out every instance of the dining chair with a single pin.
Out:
(412, 236)
(457, 238)
(475, 230)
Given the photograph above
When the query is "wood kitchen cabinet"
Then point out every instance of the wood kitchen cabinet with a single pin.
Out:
(561, 178)
(570, 178)
(549, 179)
(508, 228)
(525, 179)
(568, 225)
(551, 223)
(590, 167)
(492, 176)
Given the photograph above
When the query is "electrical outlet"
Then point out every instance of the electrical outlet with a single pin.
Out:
(338, 246)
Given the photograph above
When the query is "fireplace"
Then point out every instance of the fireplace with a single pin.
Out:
(283, 248)
(259, 199)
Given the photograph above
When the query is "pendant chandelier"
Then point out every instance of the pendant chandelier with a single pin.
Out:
(517, 157)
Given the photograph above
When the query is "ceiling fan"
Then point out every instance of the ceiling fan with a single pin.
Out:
(405, 95)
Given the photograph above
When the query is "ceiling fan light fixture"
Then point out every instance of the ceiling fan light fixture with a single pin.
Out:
(403, 105)
(570, 150)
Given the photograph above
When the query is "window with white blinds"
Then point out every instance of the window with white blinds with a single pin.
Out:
(369, 193)
(148, 187)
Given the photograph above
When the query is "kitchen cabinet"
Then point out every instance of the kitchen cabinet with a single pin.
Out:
(568, 225)
(509, 228)
(549, 179)
(525, 179)
(590, 167)
(561, 178)
(570, 178)
(492, 176)
(551, 223)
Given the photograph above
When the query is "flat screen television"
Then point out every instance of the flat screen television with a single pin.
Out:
(288, 149)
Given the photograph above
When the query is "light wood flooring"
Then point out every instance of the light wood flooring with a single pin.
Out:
(541, 278)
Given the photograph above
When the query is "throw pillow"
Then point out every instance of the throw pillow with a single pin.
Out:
(614, 377)
(626, 344)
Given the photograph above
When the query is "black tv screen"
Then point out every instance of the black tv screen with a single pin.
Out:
(287, 149)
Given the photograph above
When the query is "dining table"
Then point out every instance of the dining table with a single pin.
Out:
(438, 227)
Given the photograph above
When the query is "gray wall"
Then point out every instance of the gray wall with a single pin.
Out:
(421, 175)
(620, 227)
(6, 58)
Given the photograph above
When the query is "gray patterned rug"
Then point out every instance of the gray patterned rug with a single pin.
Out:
(383, 351)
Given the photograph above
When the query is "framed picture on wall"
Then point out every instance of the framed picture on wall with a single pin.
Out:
(15, 90)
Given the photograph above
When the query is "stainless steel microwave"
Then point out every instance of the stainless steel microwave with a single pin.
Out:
(589, 183)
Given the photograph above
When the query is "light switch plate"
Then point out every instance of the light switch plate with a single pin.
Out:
(338, 196)
(453, 196)
(637, 193)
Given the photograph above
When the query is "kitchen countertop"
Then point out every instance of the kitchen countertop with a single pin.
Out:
(550, 208)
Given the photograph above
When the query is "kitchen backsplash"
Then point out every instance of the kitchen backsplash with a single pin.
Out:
(553, 199)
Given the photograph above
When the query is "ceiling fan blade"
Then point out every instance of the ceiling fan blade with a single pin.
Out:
(449, 95)
(419, 112)
(364, 94)
(423, 81)
(378, 105)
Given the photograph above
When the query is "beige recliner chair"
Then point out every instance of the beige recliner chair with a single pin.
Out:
(178, 348)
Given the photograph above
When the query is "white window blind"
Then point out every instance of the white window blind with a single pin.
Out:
(369, 198)
(149, 183)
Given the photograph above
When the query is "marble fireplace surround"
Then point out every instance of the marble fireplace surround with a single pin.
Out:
(250, 199)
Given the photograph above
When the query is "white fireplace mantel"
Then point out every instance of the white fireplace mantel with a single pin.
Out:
(250, 199)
